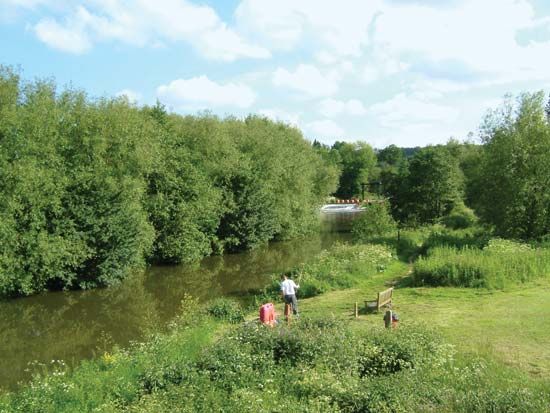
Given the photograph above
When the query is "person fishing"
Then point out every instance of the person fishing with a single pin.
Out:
(288, 292)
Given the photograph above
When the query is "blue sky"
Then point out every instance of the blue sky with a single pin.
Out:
(384, 71)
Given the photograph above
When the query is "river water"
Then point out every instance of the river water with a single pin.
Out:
(74, 325)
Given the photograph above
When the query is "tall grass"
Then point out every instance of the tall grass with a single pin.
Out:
(473, 237)
(500, 263)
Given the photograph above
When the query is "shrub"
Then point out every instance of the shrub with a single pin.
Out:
(460, 217)
(375, 220)
(314, 365)
(226, 309)
(388, 352)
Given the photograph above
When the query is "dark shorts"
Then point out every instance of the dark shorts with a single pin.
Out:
(291, 299)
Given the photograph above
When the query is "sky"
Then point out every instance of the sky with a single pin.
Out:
(403, 72)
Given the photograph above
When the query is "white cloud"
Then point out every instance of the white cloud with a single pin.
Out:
(71, 38)
(324, 130)
(131, 95)
(325, 57)
(332, 107)
(10, 9)
(387, 35)
(30, 4)
(439, 62)
(202, 93)
(224, 44)
(403, 110)
(307, 79)
(341, 27)
(479, 34)
(279, 115)
(147, 23)
(380, 65)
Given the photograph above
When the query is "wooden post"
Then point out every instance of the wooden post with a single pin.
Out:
(388, 319)
(288, 312)
(356, 310)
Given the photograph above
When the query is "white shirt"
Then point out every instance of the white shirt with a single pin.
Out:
(288, 287)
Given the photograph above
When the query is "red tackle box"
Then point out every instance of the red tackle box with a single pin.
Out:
(267, 314)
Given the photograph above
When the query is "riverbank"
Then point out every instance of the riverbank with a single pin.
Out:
(71, 325)
(457, 349)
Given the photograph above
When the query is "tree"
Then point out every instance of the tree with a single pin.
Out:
(515, 169)
(434, 185)
(392, 168)
(357, 163)
(183, 205)
(92, 188)
(390, 156)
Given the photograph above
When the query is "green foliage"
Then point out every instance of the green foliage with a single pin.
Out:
(433, 185)
(515, 169)
(71, 192)
(375, 221)
(459, 218)
(473, 237)
(342, 267)
(183, 205)
(226, 309)
(91, 189)
(357, 162)
(500, 263)
(249, 362)
(250, 220)
(391, 156)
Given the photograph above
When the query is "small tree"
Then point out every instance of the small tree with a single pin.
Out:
(434, 185)
(375, 221)
(358, 161)
(515, 169)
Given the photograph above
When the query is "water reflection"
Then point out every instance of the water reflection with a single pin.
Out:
(339, 218)
(72, 325)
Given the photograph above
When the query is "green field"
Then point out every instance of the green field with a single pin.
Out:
(511, 327)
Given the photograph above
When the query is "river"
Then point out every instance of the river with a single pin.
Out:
(74, 325)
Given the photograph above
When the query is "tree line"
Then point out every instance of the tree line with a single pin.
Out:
(91, 189)
(504, 179)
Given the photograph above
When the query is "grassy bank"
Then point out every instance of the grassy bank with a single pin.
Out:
(457, 349)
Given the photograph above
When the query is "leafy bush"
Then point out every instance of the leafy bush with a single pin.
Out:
(375, 220)
(389, 352)
(226, 309)
(314, 365)
(460, 217)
